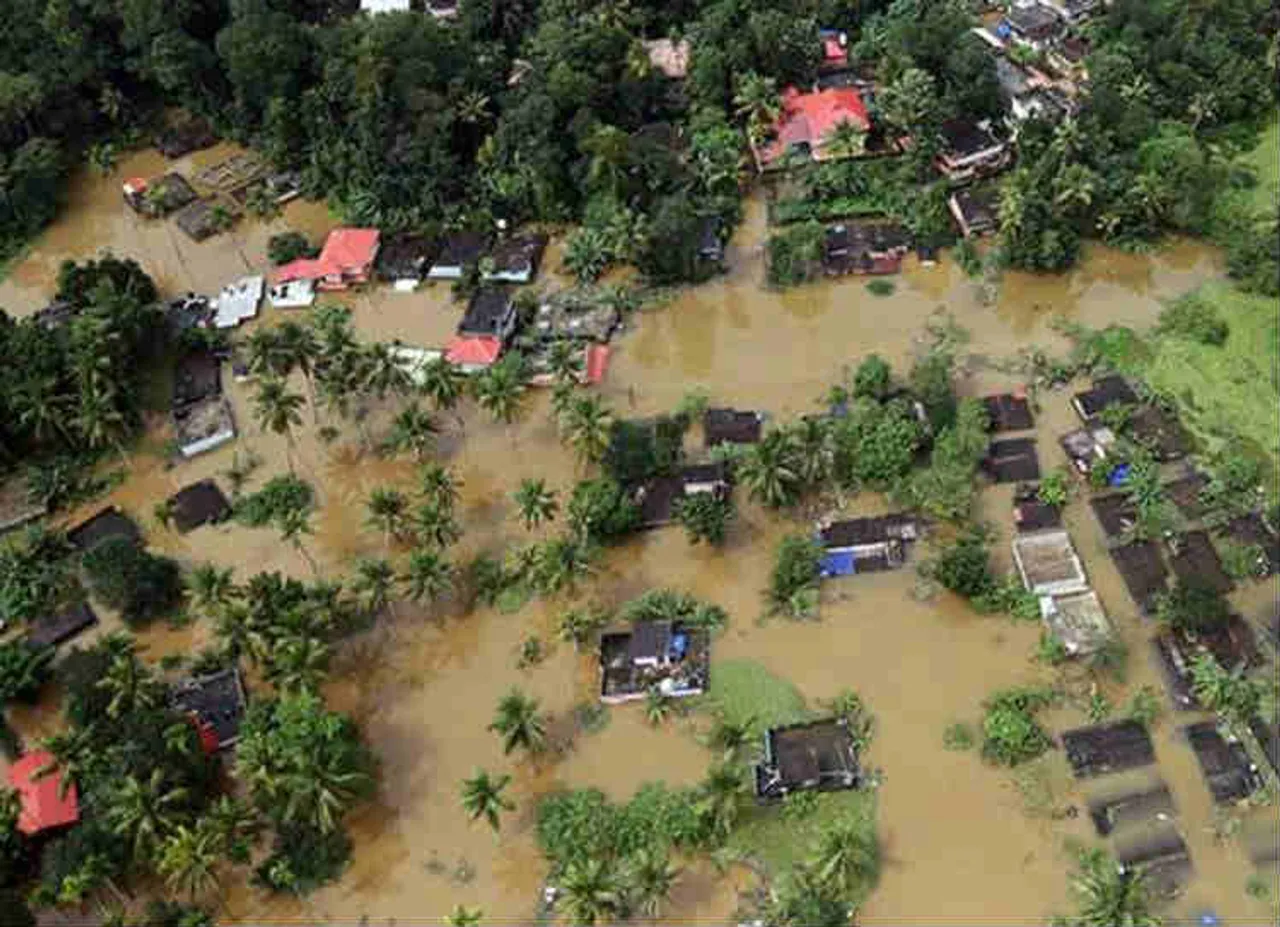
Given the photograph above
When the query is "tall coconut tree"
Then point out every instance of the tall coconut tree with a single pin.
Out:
(413, 430)
(297, 662)
(143, 811)
(720, 798)
(649, 877)
(211, 588)
(444, 384)
(295, 524)
(847, 855)
(589, 891)
(73, 752)
(435, 525)
(438, 486)
(535, 502)
(564, 362)
(276, 409)
(387, 510)
(587, 427)
(428, 576)
(266, 355)
(299, 349)
(769, 470)
(373, 586)
(1109, 896)
(188, 860)
(815, 450)
(383, 373)
(500, 389)
(519, 723)
(482, 797)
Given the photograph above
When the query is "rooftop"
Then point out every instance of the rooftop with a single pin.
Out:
(217, 702)
(199, 504)
(238, 301)
(197, 375)
(1078, 621)
(1225, 764)
(480, 351)
(490, 312)
(975, 211)
(1193, 559)
(671, 657)
(403, 256)
(1143, 571)
(1107, 748)
(1030, 514)
(517, 257)
(1035, 22)
(857, 531)
(731, 426)
(671, 58)
(460, 249)
(1106, 392)
(964, 138)
(1115, 513)
(1048, 564)
(1143, 806)
(1008, 411)
(807, 119)
(1161, 432)
(1012, 460)
(66, 624)
(812, 755)
(42, 807)
(345, 251)
(110, 522)
(16, 505)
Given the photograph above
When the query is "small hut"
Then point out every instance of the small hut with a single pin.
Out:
(201, 503)
(1107, 748)
(810, 756)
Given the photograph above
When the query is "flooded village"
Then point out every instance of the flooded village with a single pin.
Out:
(960, 837)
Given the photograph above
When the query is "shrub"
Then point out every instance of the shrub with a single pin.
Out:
(958, 736)
(875, 444)
(1195, 319)
(1145, 706)
(141, 585)
(23, 670)
(705, 516)
(793, 584)
(1055, 488)
(601, 510)
(669, 605)
(930, 381)
(965, 566)
(289, 246)
(880, 287)
(1193, 607)
(967, 257)
(794, 254)
(873, 378)
(279, 496)
(33, 575)
(639, 450)
(1010, 732)
(303, 859)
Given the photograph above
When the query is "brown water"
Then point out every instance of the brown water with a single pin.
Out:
(960, 843)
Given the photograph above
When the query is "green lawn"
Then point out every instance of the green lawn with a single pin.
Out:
(743, 690)
(1233, 389)
(1265, 159)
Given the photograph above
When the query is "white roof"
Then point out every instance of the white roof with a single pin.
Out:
(1048, 564)
(384, 6)
(412, 360)
(238, 301)
(1078, 620)
(295, 294)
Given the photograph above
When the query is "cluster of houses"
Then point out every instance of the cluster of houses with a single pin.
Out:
(213, 703)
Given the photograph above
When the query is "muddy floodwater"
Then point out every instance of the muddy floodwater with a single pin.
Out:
(962, 842)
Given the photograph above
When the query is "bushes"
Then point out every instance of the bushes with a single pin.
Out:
(1195, 319)
(289, 246)
(965, 566)
(278, 497)
(141, 585)
(876, 444)
(303, 859)
(793, 584)
(639, 450)
(795, 254)
(705, 516)
(669, 605)
(23, 670)
(600, 510)
(33, 575)
(1010, 733)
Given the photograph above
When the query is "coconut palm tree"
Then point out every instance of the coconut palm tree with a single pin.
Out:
(444, 384)
(373, 586)
(587, 253)
(519, 723)
(276, 410)
(649, 877)
(211, 588)
(815, 450)
(98, 419)
(294, 524)
(235, 825)
(732, 736)
(562, 396)
(297, 662)
(559, 563)
(142, 812)
(500, 389)
(720, 798)
(1232, 694)
(587, 425)
(756, 99)
(387, 510)
(188, 860)
(428, 576)
(383, 372)
(589, 891)
(564, 362)
(129, 684)
(435, 525)
(846, 140)
(1109, 896)
(298, 349)
(74, 752)
(462, 916)
(580, 625)
(847, 855)
(439, 487)
(482, 797)
(266, 355)
(657, 706)
(537, 503)
(769, 470)
(413, 430)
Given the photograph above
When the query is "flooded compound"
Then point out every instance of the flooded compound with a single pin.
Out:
(962, 841)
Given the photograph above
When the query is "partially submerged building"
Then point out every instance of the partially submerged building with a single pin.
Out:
(1107, 748)
(1078, 621)
(1160, 853)
(515, 259)
(1115, 513)
(346, 260)
(1194, 560)
(1132, 808)
(671, 657)
(864, 248)
(201, 503)
(490, 313)
(457, 252)
(45, 802)
(1174, 664)
(1030, 513)
(573, 315)
(17, 505)
(216, 705)
(106, 524)
(1088, 447)
(1186, 494)
(1012, 460)
(1048, 564)
(403, 260)
(1143, 571)
(866, 545)
(658, 496)
(1160, 432)
(976, 211)
(810, 756)
(971, 150)
(1008, 411)
(294, 294)
(158, 197)
(1106, 392)
(1033, 25)
(202, 417)
(238, 301)
(1224, 762)
(473, 353)
(205, 218)
(808, 122)
(1252, 530)
(68, 622)
(731, 426)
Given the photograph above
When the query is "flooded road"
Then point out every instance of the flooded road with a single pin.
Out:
(960, 842)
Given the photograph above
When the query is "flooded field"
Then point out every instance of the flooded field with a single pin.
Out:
(962, 843)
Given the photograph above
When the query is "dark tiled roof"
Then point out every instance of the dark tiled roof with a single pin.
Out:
(978, 208)
(199, 504)
(197, 376)
(488, 313)
(1107, 748)
(108, 523)
(1142, 570)
(964, 137)
(404, 256)
(813, 755)
(1185, 494)
(1007, 412)
(53, 630)
(731, 426)
(1012, 460)
(1224, 764)
(461, 249)
(518, 253)
(216, 700)
(1115, 513)
(858, 531)
(1196, 561)
(1109, 391)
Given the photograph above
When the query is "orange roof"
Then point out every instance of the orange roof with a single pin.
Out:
(42, 807)
(597, 363)
(345, 250)
(808, 118)
(480, 351)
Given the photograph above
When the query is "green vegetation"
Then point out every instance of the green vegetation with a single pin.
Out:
(706, 516)
(143, 586)
(1010, 732)
(289, 246)
(1106, 895)
(793, 584)
(959, 735)
(780, 841)
(669, 605)
(34, 574)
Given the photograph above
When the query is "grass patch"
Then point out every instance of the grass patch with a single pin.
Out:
(513, 598)
(1265, 160)
(777, 840)
(743, 690)
(880, 288)
(1227, 390)
(1043, 785)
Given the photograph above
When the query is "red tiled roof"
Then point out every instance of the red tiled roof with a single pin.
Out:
(480, 351)
(810, 117)
(597, 363)
(344, 251)
(833, 52)
(42, 808)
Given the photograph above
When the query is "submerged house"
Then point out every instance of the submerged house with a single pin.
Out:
(458, 252)
(1048, 564)
(185, 137)
(1008, 411)
(1033, 25)
(1160, 853)
(1224, 762)
(1194, 560)
(1012, 460)
(1160, 431)
(108, 523)
(671, 657)
(1101, 749)
(158, 197)
(44, 804)
(1132, 808)
(657, 497)
(62, 626)
(1088, 447)
(345, 260)
(1078, 621)
(971, 150)
(201, 503)
(1143, 571)
(866, 545)
(515, 259)
(216, 705)
(811, 756)
(1030, 513)
(403, 261)
(808, 122)
(473, 353)
(731, 426)
(238, 302)
(491, 313)
(873, 248)
(1106, 392)
(202, 417)
(573, 315)
(975, 211)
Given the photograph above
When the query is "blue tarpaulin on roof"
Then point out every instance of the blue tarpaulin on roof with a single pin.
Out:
(838, 563)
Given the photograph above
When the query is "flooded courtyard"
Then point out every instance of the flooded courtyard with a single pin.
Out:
(962, 842)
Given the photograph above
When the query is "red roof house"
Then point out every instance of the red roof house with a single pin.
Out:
(346, 258)
(42, 807)
(597, 356)
(808, 119)
(474, 353)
